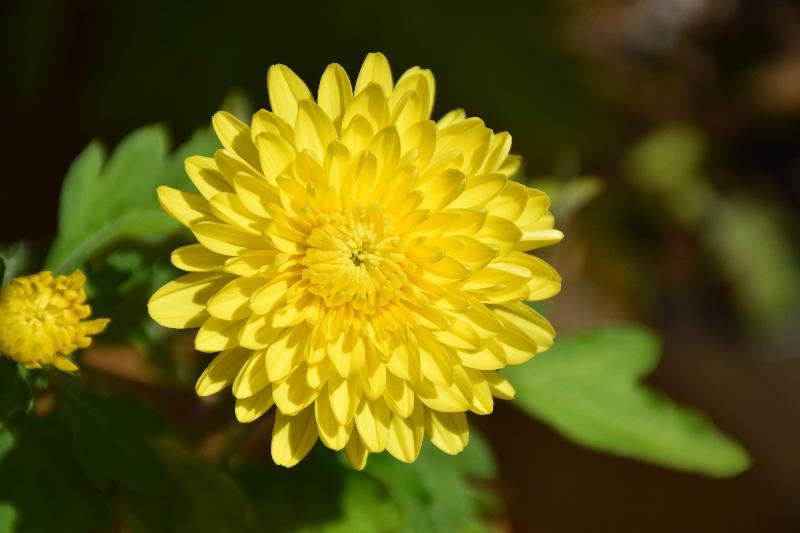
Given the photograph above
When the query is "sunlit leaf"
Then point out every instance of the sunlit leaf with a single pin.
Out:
(103, 201)
(587, 387)
(437, 493)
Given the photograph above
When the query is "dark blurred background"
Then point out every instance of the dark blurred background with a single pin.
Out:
(686, 111)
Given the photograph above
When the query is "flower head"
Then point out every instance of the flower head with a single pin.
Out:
(359, 265)
(42, 319)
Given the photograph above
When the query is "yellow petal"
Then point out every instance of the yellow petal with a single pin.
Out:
(251, 408)
(205, 176)
(521, 319)
(276, 154)
(285, 90)
(335, 93)
(229, 208)
(399, 396)
(499, 148)
(64, 364)
(293, 437)
(442, 188)
(472, 384)
(268, 122)
(453, 117)
(265, 299)
(422, 137)
(356, 453)
(375, 69)
(500, 387)
(232, 302)
(294, 394)
(373, 376)
(448, 431)
(197, 258)
(313, 129)
(333, 434)
(412, 99)
(235, 136)
(469, 138)
(372, 420)
(510, 202)
(182, 303)
(435, 359)
(347, 353)
(370, 104)
(441, 398)
(93, 327)
(222, 370)
(500, 233)
(405, 435)
(480, 189)
(230, 163)
(286, 353)
(252, 377)
(484, 358)
(257, 332)
(185, 207)
(511, 166)
(216, 335)
(252, 264)
(225, 239)
(345, 395)
(317, 373)
(356, 133)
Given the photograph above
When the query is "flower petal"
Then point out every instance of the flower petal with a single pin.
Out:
(293, 437)
(286, 89)
(182, 303)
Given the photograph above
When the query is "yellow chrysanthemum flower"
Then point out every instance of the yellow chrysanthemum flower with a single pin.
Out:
(359, 266)
(42, 319)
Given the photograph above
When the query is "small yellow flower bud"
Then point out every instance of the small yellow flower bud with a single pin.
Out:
(42, 319)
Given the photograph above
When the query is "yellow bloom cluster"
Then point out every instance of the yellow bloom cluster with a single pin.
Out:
(42, 319)
(359, 266)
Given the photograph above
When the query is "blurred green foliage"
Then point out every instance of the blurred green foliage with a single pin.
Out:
(587, 387)
(746, 236)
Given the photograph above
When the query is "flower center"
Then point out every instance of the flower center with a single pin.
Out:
(356, 258)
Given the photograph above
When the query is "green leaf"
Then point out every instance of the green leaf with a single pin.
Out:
(107, 201)
(307, 497)
(437, 493)
(109, 438)
(587, 387)
(197, 499)
(365, 507)
(8, 517)
(7, 442)
(43, 481)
